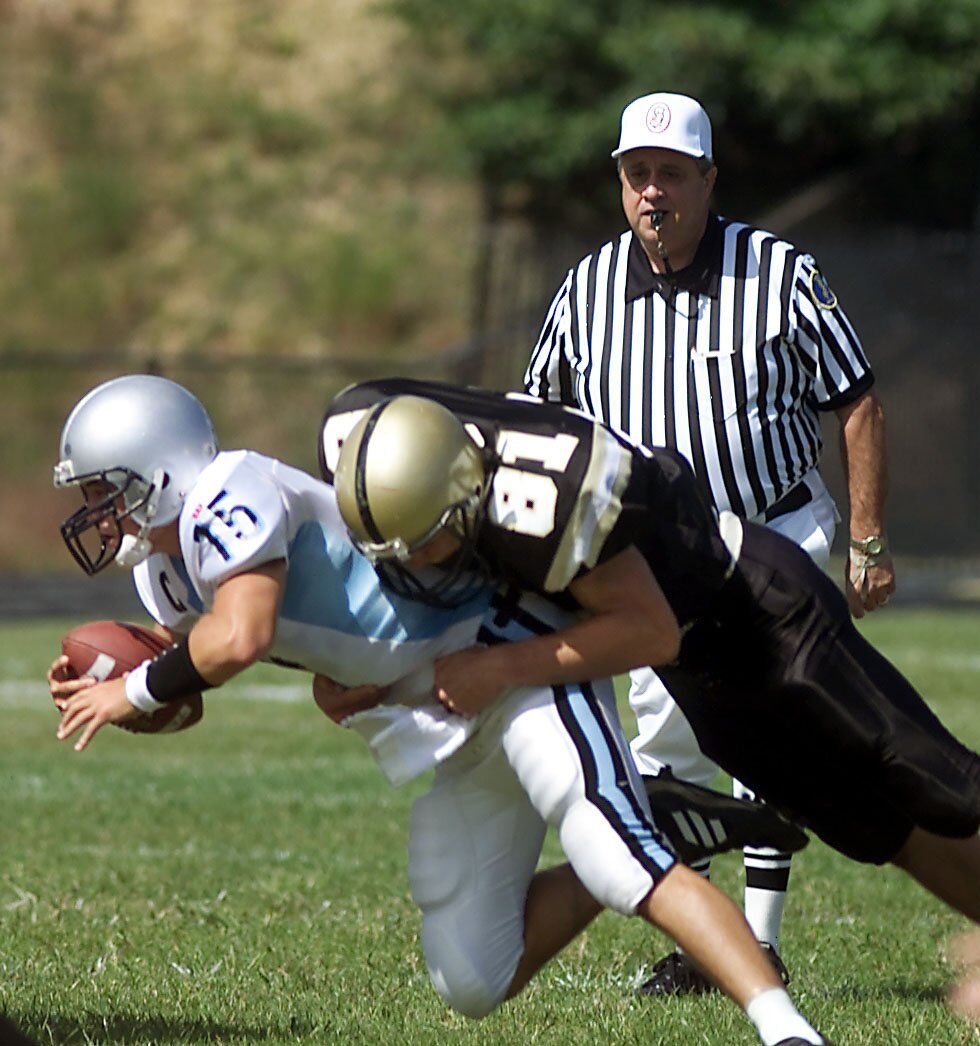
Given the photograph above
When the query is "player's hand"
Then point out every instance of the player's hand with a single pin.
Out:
(471, 680)
(337, 701)
(869, 588)
(90, 709)
(63, 684)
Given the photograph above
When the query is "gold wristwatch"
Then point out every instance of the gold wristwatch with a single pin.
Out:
(873, 547)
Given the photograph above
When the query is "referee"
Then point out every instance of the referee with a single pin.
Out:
(724, 342)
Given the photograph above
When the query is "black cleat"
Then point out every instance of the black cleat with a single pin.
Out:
(700, 822)
(675, 974)
(777, 963)
(797, 1041)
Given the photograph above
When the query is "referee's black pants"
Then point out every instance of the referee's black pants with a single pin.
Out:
(786, 695)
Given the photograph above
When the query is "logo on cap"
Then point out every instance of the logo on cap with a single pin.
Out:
(658, 118)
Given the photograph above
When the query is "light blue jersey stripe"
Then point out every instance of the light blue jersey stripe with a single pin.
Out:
(331, 585)
(612, 786)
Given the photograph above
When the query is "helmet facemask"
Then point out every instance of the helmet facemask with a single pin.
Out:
(446, 585)
(125, 495)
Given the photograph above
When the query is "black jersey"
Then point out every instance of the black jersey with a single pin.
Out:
(566, 492)
(773, 658)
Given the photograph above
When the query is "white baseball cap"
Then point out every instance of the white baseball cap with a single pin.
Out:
(666, 121)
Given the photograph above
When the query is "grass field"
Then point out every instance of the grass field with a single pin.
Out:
(246, 882)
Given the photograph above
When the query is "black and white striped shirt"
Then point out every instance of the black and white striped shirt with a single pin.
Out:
(729, 361)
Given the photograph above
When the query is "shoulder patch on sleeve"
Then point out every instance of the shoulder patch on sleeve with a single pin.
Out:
(823, 296)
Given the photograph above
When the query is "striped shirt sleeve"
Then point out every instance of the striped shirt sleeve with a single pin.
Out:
(830, 349)
(548, 375)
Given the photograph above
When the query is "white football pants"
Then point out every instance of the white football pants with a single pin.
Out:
(543, 757)
(664, 737)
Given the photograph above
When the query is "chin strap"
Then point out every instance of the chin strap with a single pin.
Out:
(134, 548)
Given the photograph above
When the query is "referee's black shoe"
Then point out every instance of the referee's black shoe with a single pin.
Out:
(700, 822)
(676, 974)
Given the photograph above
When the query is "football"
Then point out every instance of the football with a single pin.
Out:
(110, 649)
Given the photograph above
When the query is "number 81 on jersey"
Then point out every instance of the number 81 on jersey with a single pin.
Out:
(522, 501)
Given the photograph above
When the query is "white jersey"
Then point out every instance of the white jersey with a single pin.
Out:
(550, 755)
(247, 510)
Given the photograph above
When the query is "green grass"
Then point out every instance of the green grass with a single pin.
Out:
(246, 882)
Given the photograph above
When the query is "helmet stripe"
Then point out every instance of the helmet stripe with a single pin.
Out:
(360, 470)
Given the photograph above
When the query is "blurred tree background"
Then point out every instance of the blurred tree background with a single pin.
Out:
(795, 91)
(267, 199)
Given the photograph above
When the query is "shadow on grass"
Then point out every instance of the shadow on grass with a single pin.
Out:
(96, 1028)
(12, 1036)
(894, 990)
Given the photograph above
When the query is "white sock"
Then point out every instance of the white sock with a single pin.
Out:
(766, 879)
(764, 913)
(776, 1018)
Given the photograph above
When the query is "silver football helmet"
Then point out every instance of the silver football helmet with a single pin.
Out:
(135, 445)
(405, 471)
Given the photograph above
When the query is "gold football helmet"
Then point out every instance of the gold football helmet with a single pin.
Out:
(407, 470)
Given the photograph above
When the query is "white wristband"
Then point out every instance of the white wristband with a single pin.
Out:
(137, 692)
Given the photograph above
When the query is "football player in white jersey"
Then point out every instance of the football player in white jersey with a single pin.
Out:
(242, 557)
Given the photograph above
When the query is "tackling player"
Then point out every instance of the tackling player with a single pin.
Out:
(243, 557)
(752, 639)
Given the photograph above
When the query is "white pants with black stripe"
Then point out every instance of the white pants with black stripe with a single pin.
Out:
(542, 757)
(664, 737)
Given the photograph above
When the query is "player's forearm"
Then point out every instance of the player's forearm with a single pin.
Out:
(219, 646)
(219, 652)
(600, 646)
(865, 465)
